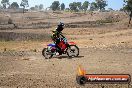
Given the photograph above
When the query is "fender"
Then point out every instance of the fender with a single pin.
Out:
(52, 45)
(71, 43)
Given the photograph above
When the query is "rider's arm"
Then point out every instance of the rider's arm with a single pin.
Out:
(62, 35)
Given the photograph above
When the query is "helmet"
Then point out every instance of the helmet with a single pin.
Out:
(60, 26)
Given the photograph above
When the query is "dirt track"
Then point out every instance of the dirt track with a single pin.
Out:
(103, 50)
(34, 71)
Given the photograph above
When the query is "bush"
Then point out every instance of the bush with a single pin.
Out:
(10, 21)
(5, 49)
(109, 19)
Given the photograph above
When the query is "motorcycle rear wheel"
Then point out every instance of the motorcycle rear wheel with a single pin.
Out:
(47, 54)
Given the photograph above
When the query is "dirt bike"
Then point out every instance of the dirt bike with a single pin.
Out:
(69, 48)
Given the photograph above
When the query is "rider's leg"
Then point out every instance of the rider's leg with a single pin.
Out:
(57, 46)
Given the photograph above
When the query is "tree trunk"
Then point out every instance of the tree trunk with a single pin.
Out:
(23, 9)
(130, 17)
(4, 6)
(130, 20)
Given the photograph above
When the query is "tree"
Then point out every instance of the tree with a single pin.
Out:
(110, 9)
(36, 7)
(128, 9)
(32, 8)
(1, 6)
(121, 9)
(93, 6)
(85, 5)
(73, 6)
(5, 3)
(62, 6)
(55, 6)
(24, 3)
(67, 9)
(14, 5)
(41, 6)
(101, 4)
(79, 5)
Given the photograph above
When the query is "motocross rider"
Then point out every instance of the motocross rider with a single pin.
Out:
(57, 34)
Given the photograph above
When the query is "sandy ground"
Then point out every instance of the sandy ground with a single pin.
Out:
(105, 49)
(101, 52)
(36, 72)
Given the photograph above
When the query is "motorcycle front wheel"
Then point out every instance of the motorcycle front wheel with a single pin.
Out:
(47, 54)
(73, 51)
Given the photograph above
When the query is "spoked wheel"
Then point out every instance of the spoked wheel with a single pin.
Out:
(46, 53)
(73, 51)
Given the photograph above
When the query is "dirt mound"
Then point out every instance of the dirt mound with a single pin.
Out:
(4, 18)
(12, 36)
(45, 19)
(13, 53)
(84, 24)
